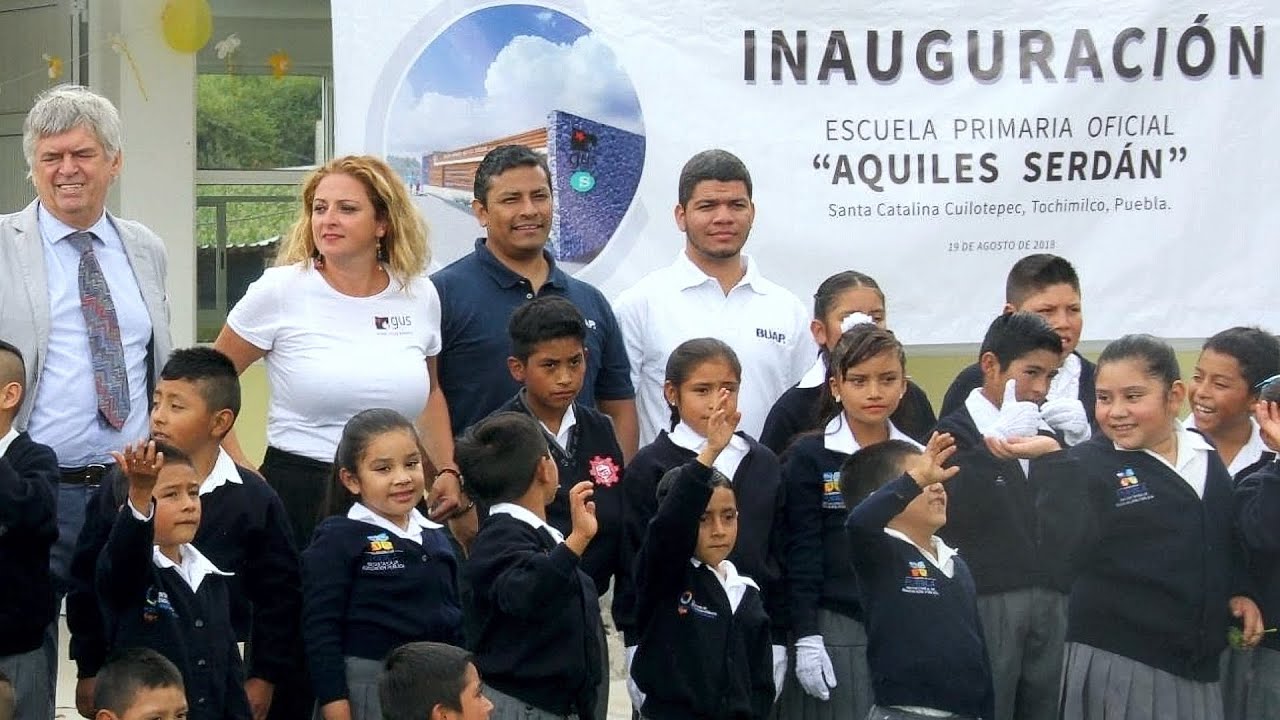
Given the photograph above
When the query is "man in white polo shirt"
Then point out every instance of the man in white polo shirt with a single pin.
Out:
(714, 290)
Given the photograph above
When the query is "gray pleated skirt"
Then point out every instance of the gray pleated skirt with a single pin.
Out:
(362, 689)
(1251, 684)
(1101, 685)
(506, 707)
(846, 641)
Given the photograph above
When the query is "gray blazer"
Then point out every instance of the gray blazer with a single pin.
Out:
(24, 293)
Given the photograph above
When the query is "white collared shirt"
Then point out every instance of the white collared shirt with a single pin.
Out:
(417, 522)
(224, 471)
(838, 436)
(1249, 454)
(1193, 458)
(941, 555)
(1066, 384)
(194, 567)
(525, 515)
(815, 375)
(735, 585)
(765, 324)
(985, 414)
(726, 462)
(7, 440)
(64, 410)
(566, 426)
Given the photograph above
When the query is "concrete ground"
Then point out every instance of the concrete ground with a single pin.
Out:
(619, 703)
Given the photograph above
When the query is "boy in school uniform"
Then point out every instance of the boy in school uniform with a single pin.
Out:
(28, 527)
(244, 530)
(535, 617)
(139, 684)
(924, 635)
(156, 590)
(1048, 286)
(705, 649)
(431, 680)
(1007, 456)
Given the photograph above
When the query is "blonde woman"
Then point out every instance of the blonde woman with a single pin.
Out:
(346, 321)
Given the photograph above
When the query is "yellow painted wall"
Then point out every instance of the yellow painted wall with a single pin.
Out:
(932, 372)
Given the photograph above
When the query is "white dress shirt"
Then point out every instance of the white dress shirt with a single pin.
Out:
(837, 436)
(1192, 463)
(417, 522)
(726, 462)
(1249, 454)
(525, 515)
(735, 585)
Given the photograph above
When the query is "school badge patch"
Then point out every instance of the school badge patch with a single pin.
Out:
(1130, 490)
(832, 498)
(157, 605)
(604, 472)
(918, 581)
(380, 544)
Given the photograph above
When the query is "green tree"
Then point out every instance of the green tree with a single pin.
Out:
(256, 122)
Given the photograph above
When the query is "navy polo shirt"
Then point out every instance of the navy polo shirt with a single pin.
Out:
(477, 296)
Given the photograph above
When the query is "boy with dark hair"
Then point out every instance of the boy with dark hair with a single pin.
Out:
(139, 684)
(432, 678)
(924, 635)
(1048, 286)
(534, 615)
(1008, 456)
(156, 590)
(28, 527)
(244, 531)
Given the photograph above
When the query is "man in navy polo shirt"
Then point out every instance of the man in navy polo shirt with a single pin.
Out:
(509, 266)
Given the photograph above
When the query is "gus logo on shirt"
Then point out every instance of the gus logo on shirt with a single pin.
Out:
(1130, 490)
(918, 581)
(393, 324)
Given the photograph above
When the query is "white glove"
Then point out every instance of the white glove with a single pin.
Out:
(1016, 419)
(779, 670)
(813, 667)
(1066, 415)
(637, 697)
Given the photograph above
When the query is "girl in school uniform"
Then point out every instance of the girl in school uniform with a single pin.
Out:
(1159, 571)
(377, 573)
(841, 301)
(696, 373)
(866, 380)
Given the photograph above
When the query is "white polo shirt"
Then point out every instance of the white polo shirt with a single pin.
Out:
(764, 323)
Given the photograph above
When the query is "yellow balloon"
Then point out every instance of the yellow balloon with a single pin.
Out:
(188, 24)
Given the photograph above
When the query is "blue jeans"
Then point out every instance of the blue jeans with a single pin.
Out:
(71, 509)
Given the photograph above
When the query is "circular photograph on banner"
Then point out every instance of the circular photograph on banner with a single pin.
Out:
(528, 75)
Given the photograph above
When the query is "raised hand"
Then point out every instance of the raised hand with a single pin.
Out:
(1067, 416)
(582, 513)
(141, 466)
(720, 428)
(1017, 418)
(1268, 416)
(1022, 448)
(930, 466)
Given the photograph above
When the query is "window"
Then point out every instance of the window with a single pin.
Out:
(256, 138)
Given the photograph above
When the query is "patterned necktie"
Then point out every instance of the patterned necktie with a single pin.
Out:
(110, 379)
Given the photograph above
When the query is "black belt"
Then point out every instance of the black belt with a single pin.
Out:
(87, 475)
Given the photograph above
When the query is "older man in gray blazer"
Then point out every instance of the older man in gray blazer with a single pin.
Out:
(82, 294)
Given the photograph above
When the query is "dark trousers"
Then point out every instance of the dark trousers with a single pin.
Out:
(301, 484)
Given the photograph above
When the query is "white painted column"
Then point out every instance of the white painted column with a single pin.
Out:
(157, 184)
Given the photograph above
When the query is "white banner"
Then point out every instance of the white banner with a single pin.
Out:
(929, 145)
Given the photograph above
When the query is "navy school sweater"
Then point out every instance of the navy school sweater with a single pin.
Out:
(28, 528)
(993, 512)
(145, 606)
(698, 657)
(593, 454)
(536, 618)
(796, 412)
(757, 488)
(1155, 564)
(245, 530)
(818, 562)
(1257, 511)
(971, 377)
(367, 592)
(925, 644)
